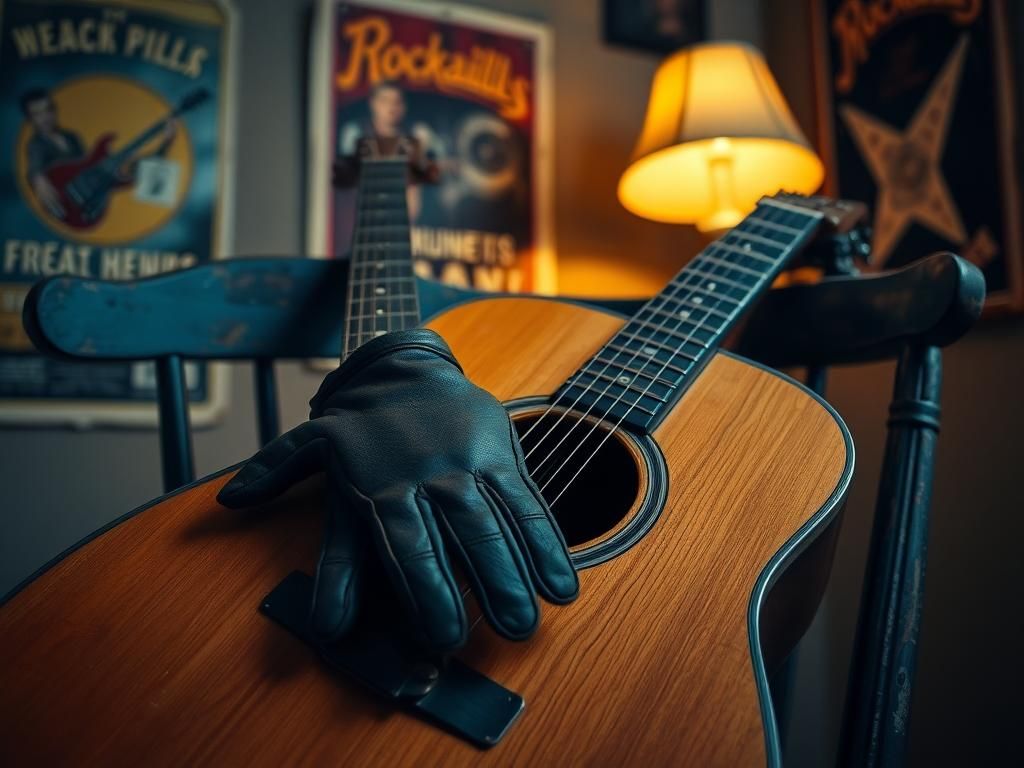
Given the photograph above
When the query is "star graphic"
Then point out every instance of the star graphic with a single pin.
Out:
(905, 165)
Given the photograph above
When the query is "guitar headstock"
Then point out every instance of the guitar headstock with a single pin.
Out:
(841, 216)
(844, 239)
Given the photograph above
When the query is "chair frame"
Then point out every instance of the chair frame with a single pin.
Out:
(271, 309)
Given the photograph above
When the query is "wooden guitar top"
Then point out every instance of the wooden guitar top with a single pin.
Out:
(145, 645)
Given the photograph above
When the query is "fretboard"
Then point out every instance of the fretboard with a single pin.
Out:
(381, 283)
(637, 376)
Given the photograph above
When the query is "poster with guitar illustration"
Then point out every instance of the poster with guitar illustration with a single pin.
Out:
(899, 85)
(472, 88)
(113, 159)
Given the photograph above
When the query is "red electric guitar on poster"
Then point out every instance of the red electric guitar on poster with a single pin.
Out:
(84, 186)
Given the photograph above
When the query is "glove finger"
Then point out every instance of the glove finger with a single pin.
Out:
(489, 553)
(412, 551)
(538, 535)
(277, 466)
(339, 573)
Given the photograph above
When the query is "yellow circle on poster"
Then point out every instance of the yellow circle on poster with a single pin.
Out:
(96, 106)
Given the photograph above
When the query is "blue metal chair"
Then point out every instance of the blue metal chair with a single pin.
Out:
(258, 309)
(907, 315)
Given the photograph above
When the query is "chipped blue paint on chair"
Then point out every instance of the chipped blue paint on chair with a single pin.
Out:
(258, 309)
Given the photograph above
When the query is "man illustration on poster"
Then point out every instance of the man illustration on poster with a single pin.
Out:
(385, 136)
(51, 145)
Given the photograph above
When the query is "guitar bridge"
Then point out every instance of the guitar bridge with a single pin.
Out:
(451, 696)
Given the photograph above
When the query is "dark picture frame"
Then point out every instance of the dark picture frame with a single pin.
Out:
(657, 26)
(930, 71)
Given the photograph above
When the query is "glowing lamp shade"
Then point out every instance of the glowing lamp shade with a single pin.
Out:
(718, 135)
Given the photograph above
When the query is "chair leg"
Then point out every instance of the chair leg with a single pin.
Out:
(877, 714)
(266, 400)
(175, 436)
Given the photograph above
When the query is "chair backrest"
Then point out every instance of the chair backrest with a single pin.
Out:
(908, 315)
(258, 309)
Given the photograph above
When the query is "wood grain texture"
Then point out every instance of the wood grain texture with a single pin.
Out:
(145, 646)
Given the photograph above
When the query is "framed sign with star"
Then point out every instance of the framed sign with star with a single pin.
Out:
(916, 118)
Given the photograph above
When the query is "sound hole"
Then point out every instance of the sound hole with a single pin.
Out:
(606, 488)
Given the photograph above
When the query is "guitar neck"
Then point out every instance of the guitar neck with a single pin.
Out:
(638, 375)
(381, 282)
(122, 156)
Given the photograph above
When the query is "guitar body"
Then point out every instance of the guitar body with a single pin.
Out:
(145, 645)
(84, 189)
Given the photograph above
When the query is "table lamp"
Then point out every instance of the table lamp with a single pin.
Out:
(718, 135)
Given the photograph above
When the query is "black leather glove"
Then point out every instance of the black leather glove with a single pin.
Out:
(427, 466)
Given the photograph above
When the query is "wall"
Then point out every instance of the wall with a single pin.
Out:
(58, 486)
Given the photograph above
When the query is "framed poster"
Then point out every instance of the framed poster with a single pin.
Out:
(659, 26)
(917, 118)
(473, 88)
(115, 165)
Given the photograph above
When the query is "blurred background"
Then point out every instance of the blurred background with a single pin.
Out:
(58, 485)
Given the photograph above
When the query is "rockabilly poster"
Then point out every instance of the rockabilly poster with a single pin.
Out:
(903, 84)
(472, 88)
(113, 160)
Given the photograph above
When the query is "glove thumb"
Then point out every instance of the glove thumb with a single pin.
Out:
(276, 467)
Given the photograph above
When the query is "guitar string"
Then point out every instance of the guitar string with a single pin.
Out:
(662, 328)
(633, 337)
(711, 271)
(690, 275)
(697, 327)
(665, 296)
(365, 244)
(636, 336)
(782, 256)
(781, 259)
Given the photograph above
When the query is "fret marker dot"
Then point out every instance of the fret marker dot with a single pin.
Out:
(697, 300)
(684, 314)
(380, 290)
(379, 333)
(746, 246)
(712, 286)
(649, 351)
(380, 265)
(380, 311)
(624, 379)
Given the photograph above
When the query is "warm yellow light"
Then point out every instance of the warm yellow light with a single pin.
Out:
(718, 135)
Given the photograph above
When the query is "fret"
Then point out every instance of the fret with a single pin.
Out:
(380, 313)
(375, 280)
(681, 318)
(695, 304)
(382, 284)
(745, 287)
(804, 213)
(650, 349)
(746, 251)
(384, 293)
(660, 328)
(386, 227)
(773, 225)
(612, 400)
(667, 341)
(621, 381)
(737, 267)
(637, 371)
(748, 235)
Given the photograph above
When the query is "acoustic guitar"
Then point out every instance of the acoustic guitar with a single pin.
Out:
(700, 494)
(85, 185)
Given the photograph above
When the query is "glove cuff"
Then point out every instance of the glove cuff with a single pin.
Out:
(422, 339)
